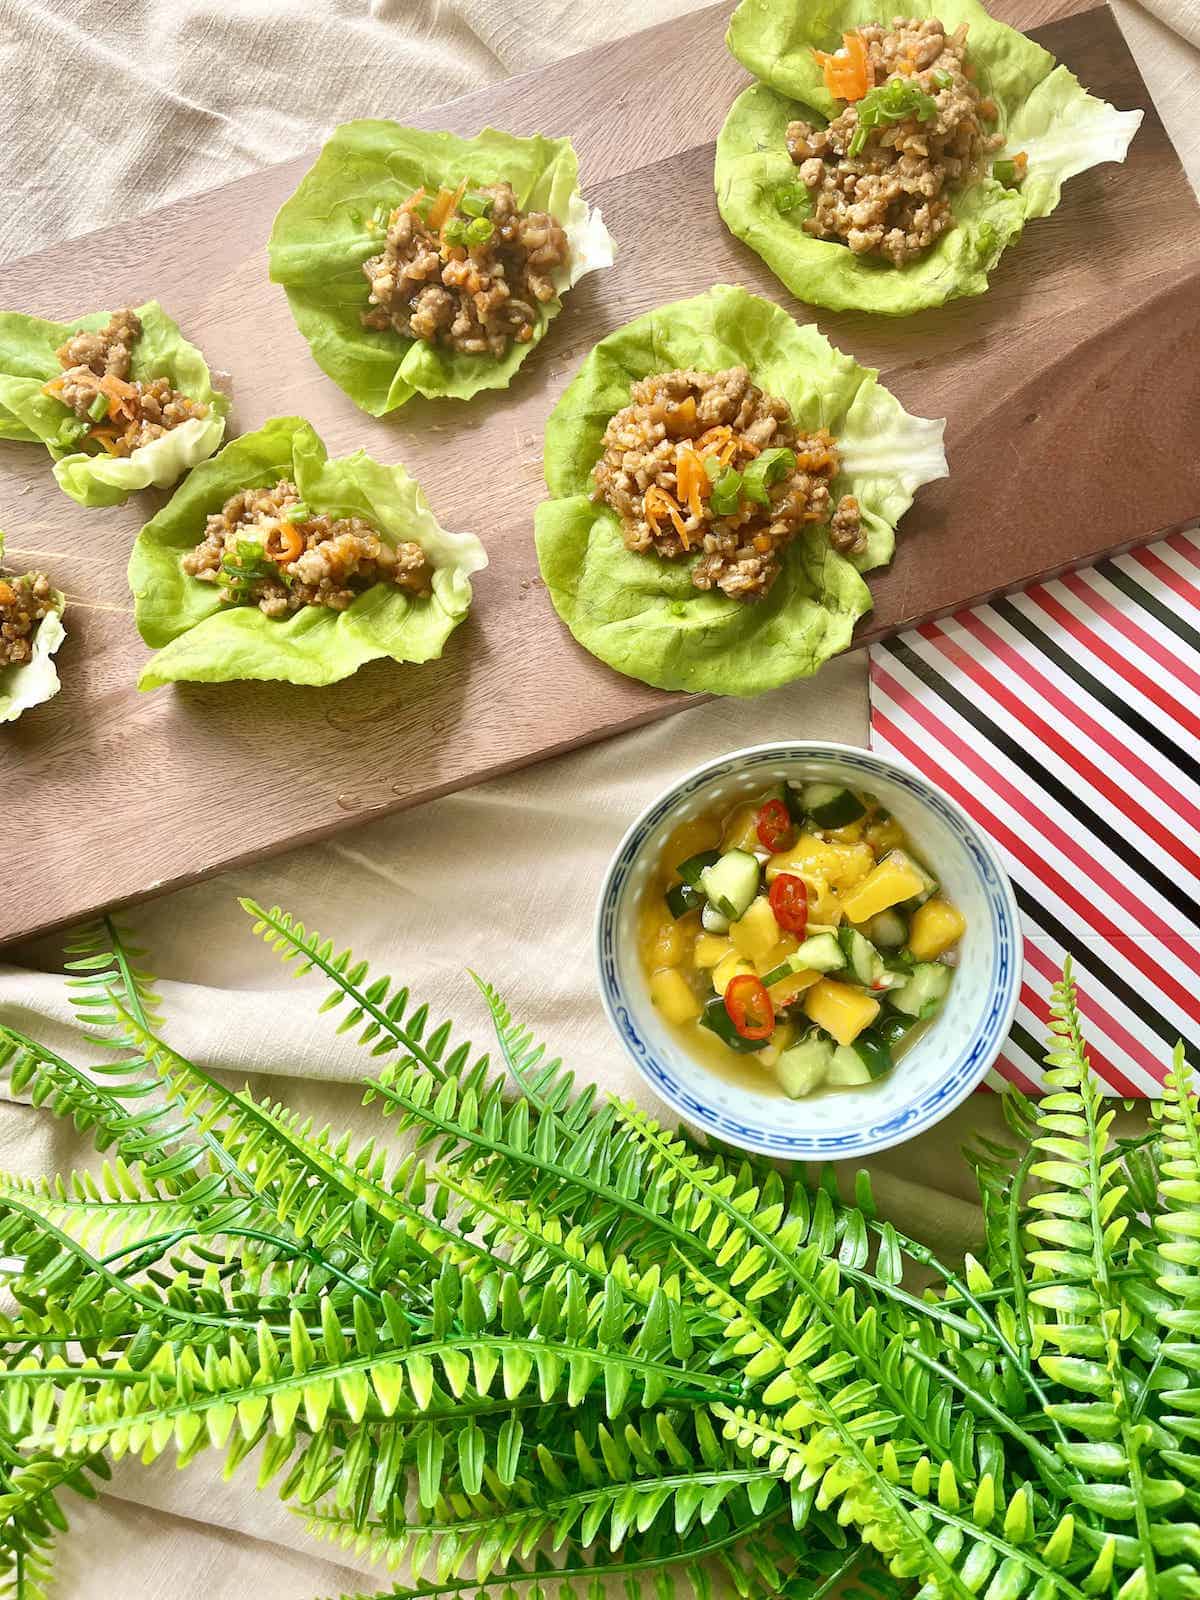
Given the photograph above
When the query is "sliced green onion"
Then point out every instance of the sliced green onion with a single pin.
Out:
(480, 231)
(382, 214)
(297, 513)
(476, 205)
(713, 467)
(726, 493)
(455, 231)
(1005, 172)
(943, 79)
(98, 409)
(766, 469)
(890, 102)
(356, 216)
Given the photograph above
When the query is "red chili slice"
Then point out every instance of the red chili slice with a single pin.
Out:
(749, 1007)
(774, 827)
(789, 902)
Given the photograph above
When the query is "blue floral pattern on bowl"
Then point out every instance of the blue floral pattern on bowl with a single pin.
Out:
(943, 1066)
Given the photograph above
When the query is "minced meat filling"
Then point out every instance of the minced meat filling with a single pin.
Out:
(881, 174)
(123, 413)
(264, 547)
(705, 464)
(467, 271)
(23, 603)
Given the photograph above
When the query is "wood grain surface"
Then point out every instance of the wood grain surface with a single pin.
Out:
(1072, 392)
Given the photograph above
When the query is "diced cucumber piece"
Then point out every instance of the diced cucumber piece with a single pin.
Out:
(924, 992)
(832, 806)
(847, 1069)
(890, 1029)
(717, 1020)
(732, 882)
(691, 869)
(821, 953)
(803, 1067)
(929, 884)
(682, 898)
(887, 930)
(873, 1050)
(712, 920)
(862, 959)
(792, 799)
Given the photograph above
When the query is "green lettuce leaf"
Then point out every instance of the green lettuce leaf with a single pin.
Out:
(36, 680)
(27, 361)
(205, 641)
(320, 240)
(1044, 112)
(639, 613)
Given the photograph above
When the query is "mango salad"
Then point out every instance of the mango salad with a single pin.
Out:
(799, 936)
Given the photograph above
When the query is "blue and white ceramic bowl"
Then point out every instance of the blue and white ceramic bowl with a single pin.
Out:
(940, 1069)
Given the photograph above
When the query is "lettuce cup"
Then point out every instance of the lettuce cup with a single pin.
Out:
(31, 630)
(721, 479)
(272, 561)
(120, 399)
(422, 263)
(885, 165)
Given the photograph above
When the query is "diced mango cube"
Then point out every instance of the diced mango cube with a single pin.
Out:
(839, 865)
(785, 991)
(741, 831)
(884, 834)
(689, 839)
(711, 949)
(726, 971)
(778, 954)
(670, 992)
(840, 1008)
(935, 927)
(824, 907)
(756, 932)
(850, 834)
(891, 882)
(664, 946)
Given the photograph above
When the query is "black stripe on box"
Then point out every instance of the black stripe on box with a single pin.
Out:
(1087, 954)
(1118, 708)
(1130, 587)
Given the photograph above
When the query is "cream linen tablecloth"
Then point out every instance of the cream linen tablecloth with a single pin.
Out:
(114, 107)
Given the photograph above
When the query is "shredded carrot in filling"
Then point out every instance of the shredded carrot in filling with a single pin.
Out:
(413, 200)
(285, 542)
(658, 503)
(54, 387)
(107, 437)
(122, 396)
(446, 205)
(847, 71)
(692, 479)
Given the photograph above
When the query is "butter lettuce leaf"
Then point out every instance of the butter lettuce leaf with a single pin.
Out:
(640, 613)
(322, 236)
(34, 681)
(28, 361)
(1044, 112)
(200, 639)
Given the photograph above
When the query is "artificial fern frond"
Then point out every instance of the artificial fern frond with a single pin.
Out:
(554, 1345)
(380, 1010)
(104, 967)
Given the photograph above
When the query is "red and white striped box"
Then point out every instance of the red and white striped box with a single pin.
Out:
(1066, 721)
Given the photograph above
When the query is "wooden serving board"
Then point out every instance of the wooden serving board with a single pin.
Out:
(1072, 391)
